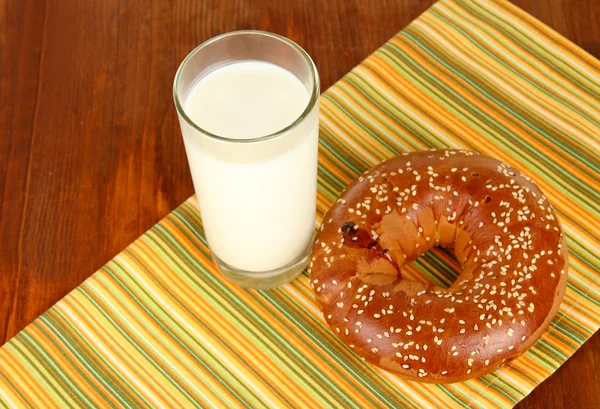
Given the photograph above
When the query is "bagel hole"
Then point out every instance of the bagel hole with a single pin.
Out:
(438, 266)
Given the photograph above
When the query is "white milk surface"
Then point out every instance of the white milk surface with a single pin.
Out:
(258, 214)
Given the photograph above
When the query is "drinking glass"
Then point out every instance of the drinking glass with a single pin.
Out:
(256, 195)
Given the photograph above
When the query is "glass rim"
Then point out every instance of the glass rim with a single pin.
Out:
(314, 97)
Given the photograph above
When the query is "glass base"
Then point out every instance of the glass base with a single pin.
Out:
(264, 279)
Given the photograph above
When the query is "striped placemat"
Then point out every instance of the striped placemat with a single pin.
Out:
(157, 327)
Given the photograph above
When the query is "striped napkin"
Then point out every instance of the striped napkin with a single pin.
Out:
(158, 327)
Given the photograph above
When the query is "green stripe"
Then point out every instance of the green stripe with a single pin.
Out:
(4, 404)
(121, 327)
(510, 144)
(367, 117)
(565, 136)
(94, 361)
(189, 216)
(148, 300)
(487, 95)
(478, 41)
(371, 379)
(35, 369)
(220, 305)
(73, 364)
(16, 390)
(528, 43)
(231, 299)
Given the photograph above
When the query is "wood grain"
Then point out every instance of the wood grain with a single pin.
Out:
(90, 150)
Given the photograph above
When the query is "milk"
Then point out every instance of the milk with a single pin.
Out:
(257, 200)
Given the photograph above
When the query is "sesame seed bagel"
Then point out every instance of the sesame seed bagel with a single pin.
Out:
(503, 232)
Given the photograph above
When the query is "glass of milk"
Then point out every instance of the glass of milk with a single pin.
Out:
(248, 106)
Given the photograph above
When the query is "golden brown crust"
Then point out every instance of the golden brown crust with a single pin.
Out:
(504, 233)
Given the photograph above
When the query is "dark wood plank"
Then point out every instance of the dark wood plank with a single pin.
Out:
(90, 150)
(20, 68)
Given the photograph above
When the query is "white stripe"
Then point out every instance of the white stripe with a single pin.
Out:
(365, 116)
(548, 46)
(7, 399)
(583, 281)
(500, 82)
(182, 320)
(572, 231)
(567, 309)
(58, 333)
(343, 137)
(566, 91)
(308, 304)
(431, 127)
(124, 320)
(108, 354)
(405, 388)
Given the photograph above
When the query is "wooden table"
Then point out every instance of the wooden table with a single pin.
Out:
(91, 153)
